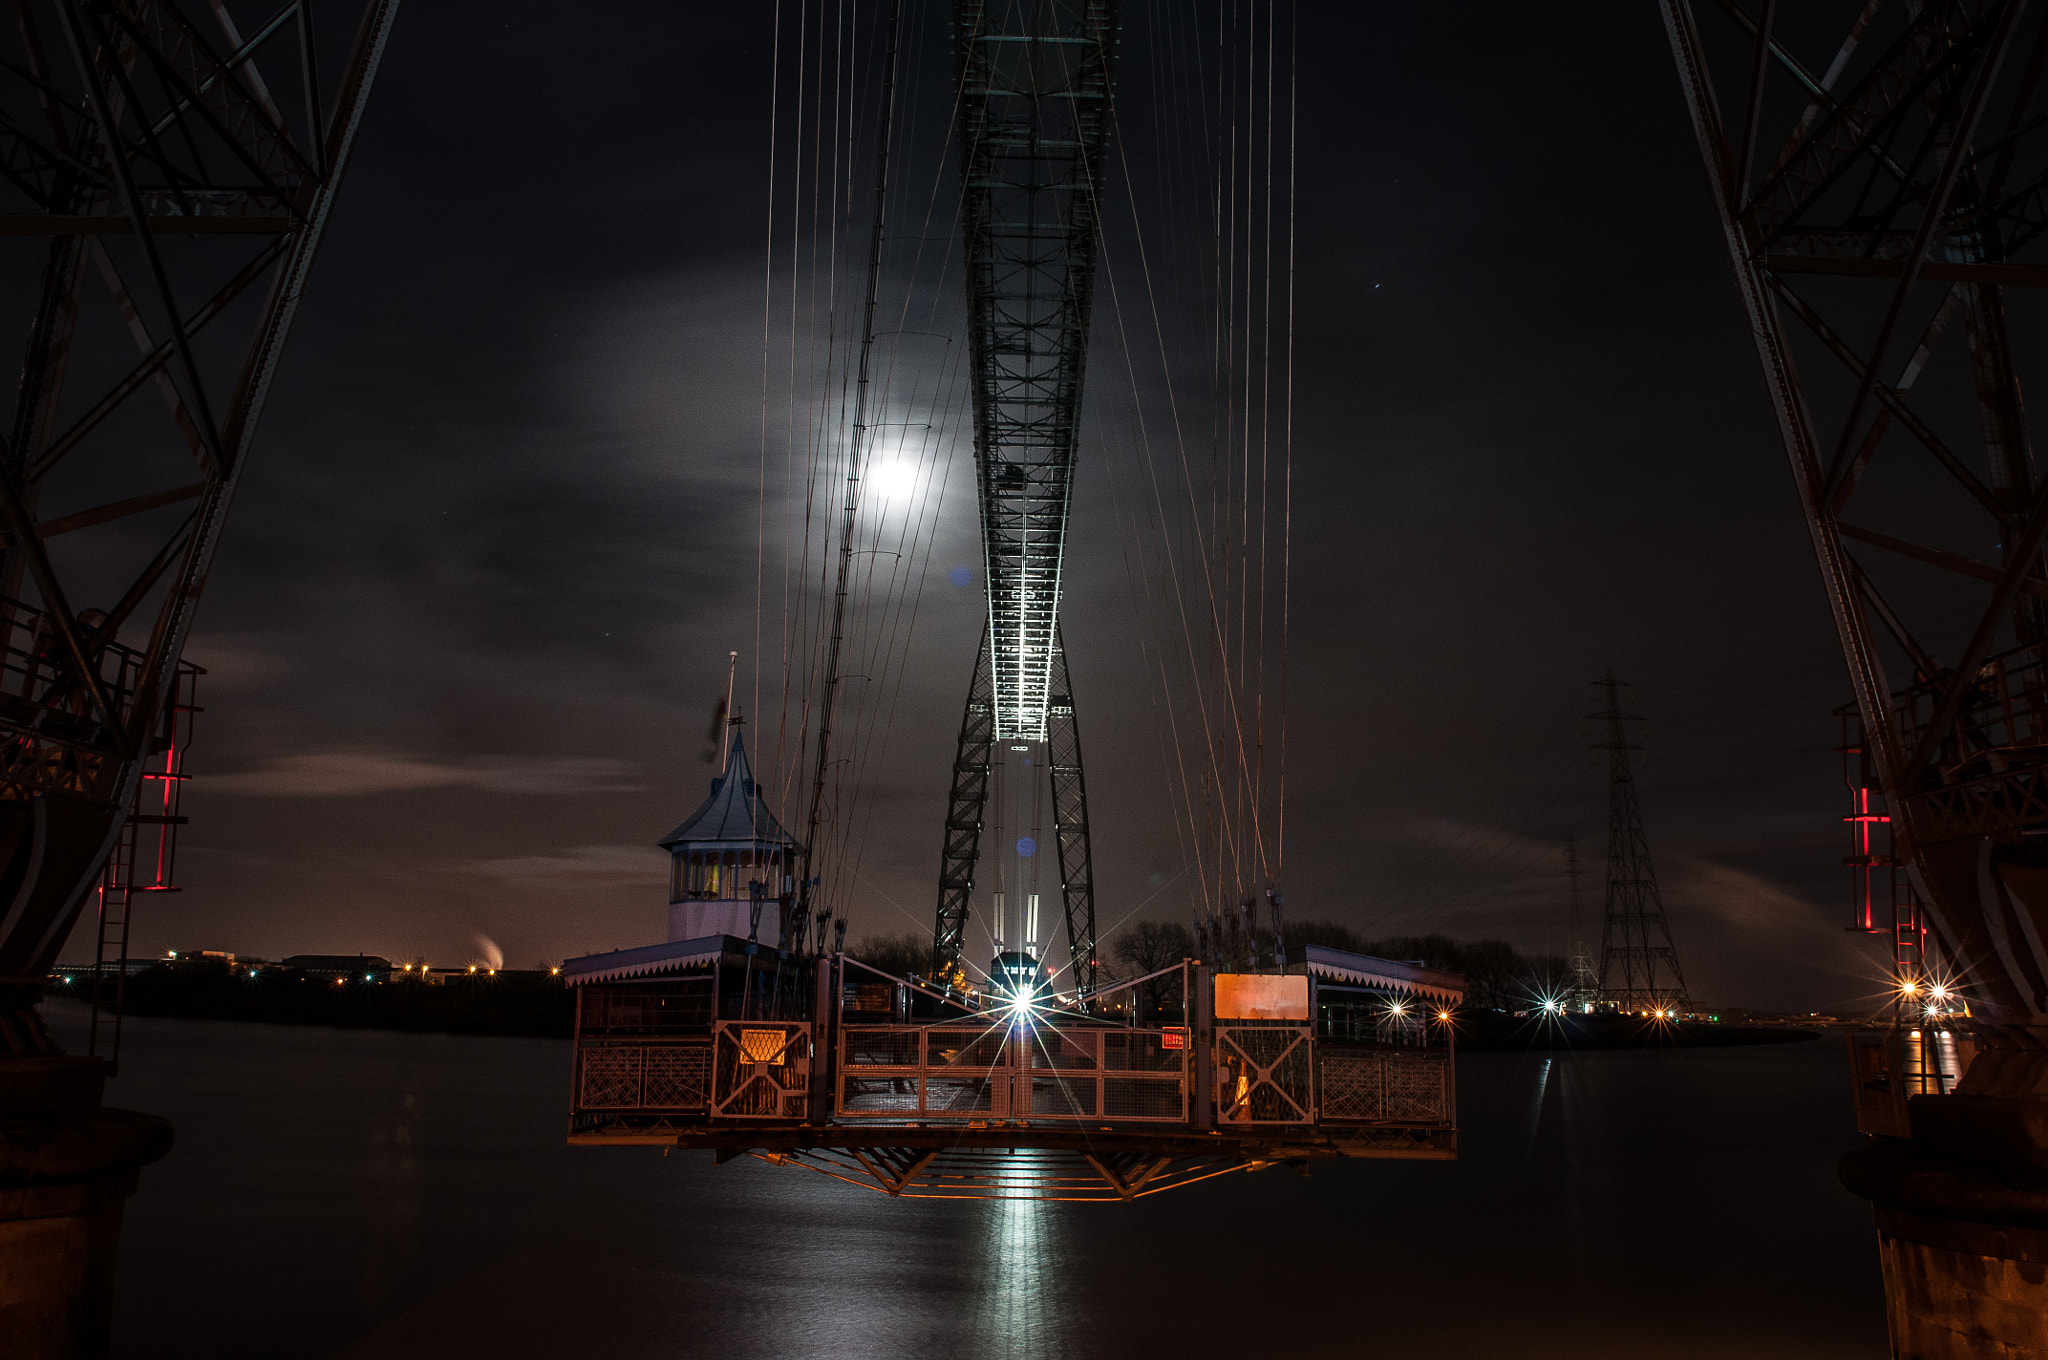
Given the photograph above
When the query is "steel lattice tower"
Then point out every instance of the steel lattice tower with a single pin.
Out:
(1638, 963)
(1034, 85)
(165, 179)
(1880, 179)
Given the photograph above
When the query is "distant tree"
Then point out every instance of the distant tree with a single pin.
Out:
(908, 955)
(1329, 934)
(1497, 975)
(1146, 947)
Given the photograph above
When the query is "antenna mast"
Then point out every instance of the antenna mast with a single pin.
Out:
(1585, 982)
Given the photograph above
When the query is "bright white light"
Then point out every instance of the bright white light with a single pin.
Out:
(1940, 992)
(1553, 1006)
(893, 481)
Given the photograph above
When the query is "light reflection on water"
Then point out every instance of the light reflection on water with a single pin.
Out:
(1934, 1061)
(362, 1194)
(1018, 1281)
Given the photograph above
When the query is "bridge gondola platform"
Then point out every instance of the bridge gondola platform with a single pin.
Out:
(1160, 1081)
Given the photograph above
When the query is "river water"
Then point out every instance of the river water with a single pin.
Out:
(353, 1194)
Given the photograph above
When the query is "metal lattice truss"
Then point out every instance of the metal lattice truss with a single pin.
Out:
(1034, 114)
(1012, 1173)
(1880, 176)
(972, 769)
(166, 172)
(1034, 80)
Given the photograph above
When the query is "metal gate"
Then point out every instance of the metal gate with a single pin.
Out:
(763, 1068)
(1265, 1074)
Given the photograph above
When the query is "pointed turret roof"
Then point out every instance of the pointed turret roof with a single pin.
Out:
(734, 817)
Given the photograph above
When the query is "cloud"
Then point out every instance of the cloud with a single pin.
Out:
(616, 865)
(366, 770)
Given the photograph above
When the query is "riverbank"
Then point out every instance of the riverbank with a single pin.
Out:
(531, 1005)
(1499, 1032)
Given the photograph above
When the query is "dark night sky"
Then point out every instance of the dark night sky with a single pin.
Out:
(480, 583)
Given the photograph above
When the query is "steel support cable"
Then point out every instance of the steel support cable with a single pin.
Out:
(1265, 425)
(916, 269)
(883, 666)
(1187, 475)
(767, 327)
(1173, 575)
(1187, 629)
(870, 740)
(902, 670)
(1177, 780)
(790, 608)
(1287, 447)
(936, 441)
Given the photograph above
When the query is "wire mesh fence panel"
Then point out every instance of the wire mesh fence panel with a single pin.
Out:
(975, 1048)
(1144, 1050)
(1144, 1098)
(880, 1095)
(611, 1079)
(1415, 1089)
(675, 1076)
(962, 1095)
(1074, 1050)
(1351, 1085)
(881, 1047)
(1061, 1098)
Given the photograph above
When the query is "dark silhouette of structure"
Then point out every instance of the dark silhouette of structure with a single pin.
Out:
(165, 179)
(1638, 965)
(1880, 179)
(1585, 985)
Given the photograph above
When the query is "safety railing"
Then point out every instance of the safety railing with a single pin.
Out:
(674, 1075)
(2004, 711)
(1048, 1071)
(1383, 1086)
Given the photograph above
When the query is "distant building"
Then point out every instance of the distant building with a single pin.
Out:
(199, 958)
(340, 967)
(727, 844)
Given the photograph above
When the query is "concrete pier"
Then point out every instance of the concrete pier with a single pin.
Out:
(1961, 1198)
(67, 1167)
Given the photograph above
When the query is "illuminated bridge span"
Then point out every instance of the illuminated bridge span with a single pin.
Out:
(1166, 1080)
